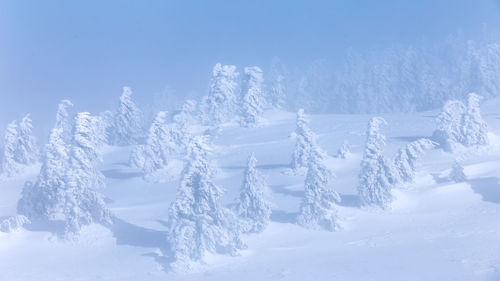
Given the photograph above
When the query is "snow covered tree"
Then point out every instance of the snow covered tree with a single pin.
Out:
(65, 186)
(127, 126)
(222, 100)
(474, 128)
(64, 119)
(408, 156)
(43, 200)
(198, 223)
(460, 124)
(20, 148)
(88, 137)
(253, 208)
(137, 156)
(82, 204)
(344, 150)
(318, 209)
(160, 145)
(254, 99)
(449, 125)
(304, 138)
(10, 166)
(27, 150)
(277, 84)
(377, 174)
(457, 173)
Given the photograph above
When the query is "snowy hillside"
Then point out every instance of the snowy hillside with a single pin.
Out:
(435, 228)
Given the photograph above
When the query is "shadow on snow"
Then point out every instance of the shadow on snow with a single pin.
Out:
(488, 188)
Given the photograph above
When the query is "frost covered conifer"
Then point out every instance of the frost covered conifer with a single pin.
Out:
(138, 156)
(407, 158)
(254, 99)
(88, 137)
(461, 124)
(253, 208)
(198, 223)
(449, 124)
(377, 174)
(457, 173)
(318, 209)
(10, 166)
(27, 150)
(159, 146)
(65, 186)
(277, 83)
(344, 150)
(64, 119)
(474, 128)
(82, 204)
(183, 121)
(304, 138)
(127, 126)
(43, 200)
(222, 100)
(20, 147)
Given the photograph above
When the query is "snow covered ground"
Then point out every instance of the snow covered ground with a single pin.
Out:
(436, 230)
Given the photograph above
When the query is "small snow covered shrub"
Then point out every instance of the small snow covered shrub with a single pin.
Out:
(457, 173)
(13, 223)
(344, 150)
(407, 158)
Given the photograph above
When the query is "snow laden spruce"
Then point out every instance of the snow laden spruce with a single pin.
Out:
(407, 158)
(20, 147)
(253, 100)
(165, 140)
(318, 209)
(377, 174)
(198, 223)
(126, 124)
(460, 124)
(221, 104)
(304, 139)
(253, 208)
(65, 186)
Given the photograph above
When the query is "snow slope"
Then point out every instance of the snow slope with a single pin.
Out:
(436, 229)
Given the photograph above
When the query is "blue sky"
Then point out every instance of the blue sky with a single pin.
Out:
(87, 50)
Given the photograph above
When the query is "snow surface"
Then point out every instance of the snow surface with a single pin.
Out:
(436, 230)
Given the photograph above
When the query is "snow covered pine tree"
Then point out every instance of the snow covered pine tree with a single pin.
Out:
(127, 127)
(221, 103)
(318, 209)
(377, 174)
(304, 138)
(20, 147)
(407, 158)
(254, 99)
(460, 124)
(253, 208)
(197, 222)
(83, 205)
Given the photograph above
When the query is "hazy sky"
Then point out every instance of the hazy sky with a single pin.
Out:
(87, 50)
